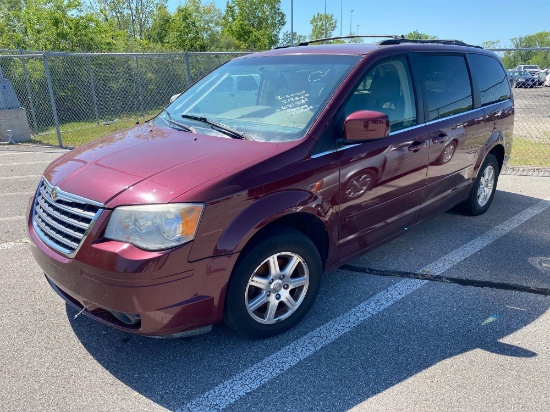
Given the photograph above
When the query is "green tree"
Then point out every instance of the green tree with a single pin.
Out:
(416, 35)
(286, 39)
(59, 25)
(207, 17)
(135, 17)
(184, 32)
(322, 26)
(491, 44)
(511, 59)
(160, 26)
(253, 24)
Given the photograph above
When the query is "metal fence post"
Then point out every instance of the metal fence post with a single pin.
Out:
(29, 93)
(92, 85)
(52, 99)
(172, 65)
(187, 68)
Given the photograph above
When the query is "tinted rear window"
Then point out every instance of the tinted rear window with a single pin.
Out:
(447, 84)
(493, 83)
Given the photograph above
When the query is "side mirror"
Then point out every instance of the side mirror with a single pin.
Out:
(174, 97)
(365, 125)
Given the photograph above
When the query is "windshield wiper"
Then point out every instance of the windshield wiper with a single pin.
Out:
(184, 127)
(219, 127)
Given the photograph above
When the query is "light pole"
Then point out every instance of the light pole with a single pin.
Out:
(350, 16)
(357, 31)
(325, 19)
(341, 18)
(292, 22)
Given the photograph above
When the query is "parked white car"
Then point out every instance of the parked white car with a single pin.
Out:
(532, 69)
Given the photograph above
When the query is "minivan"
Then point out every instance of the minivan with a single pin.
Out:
(207, 213)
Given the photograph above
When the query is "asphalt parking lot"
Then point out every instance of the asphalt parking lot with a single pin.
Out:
(453, 315)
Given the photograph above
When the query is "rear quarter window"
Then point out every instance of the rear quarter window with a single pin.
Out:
(493, 82)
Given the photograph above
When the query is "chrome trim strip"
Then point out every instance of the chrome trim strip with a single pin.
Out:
(315, 156)
(46, 206)
(55, 246)
(57, 226)
(69, 209)
(454, 115)
(72, 222)
(406, 129)
(54, 235)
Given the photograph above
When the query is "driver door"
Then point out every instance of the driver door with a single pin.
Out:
(381, 181)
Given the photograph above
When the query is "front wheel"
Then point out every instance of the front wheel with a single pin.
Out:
(273, 285)
(484, 187)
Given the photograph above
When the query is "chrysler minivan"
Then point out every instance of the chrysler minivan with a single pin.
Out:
(209, 213)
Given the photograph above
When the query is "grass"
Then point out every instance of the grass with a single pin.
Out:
(529, 153)
(79, 133)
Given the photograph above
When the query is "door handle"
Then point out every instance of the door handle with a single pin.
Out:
(416, 146)
(440, 138)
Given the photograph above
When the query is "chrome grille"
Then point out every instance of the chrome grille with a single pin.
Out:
(63, 222)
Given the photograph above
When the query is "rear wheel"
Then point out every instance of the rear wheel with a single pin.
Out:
(274, 284)
(483, 190)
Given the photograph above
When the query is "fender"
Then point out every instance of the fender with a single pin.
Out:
(502, 117)
(494, 140)
(267, 209)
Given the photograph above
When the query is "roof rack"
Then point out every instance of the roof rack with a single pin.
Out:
(426, 41)
(391, 39)
(351, 36)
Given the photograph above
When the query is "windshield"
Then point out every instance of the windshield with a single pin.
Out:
(270, 98)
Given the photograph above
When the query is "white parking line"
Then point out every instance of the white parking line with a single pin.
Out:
(10, 218)
(17, 194)
(18, 177)
(25, 163)
(250, 379)
(10, 153)
(9, 245)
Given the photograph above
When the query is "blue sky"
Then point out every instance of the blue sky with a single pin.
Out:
(473, 21)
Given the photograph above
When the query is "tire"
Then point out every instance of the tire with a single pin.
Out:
(483, 190)
(262, 299)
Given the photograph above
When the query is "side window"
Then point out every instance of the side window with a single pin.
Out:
(493, 82)
(386, 88)
(447, 85)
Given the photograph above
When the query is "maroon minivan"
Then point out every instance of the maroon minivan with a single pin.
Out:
(274, 168)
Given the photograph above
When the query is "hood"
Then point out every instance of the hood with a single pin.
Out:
(150, 164)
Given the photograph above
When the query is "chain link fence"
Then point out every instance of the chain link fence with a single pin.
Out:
(73, 98)
(531, 148)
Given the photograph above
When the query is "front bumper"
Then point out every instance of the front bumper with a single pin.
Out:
(147, 293)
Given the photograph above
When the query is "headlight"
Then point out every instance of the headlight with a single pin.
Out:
(155, 227)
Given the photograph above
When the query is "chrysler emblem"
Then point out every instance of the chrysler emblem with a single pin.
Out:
(54, 194)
